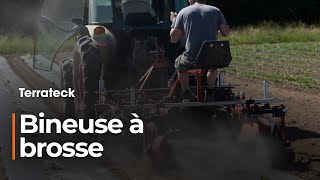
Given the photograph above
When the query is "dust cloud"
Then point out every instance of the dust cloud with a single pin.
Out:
(17, 17)
(211, 148)
(222, 159)
(23, 16)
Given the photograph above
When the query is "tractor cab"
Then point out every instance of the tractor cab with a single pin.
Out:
(146, 17)
(60, 20)
(125, 36)
(137, 13)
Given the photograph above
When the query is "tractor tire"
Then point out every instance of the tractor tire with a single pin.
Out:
(67, 82)
(91, 72)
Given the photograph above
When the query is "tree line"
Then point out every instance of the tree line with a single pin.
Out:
(20, 14)
(242, 12)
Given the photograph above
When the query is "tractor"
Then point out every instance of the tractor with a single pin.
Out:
(106, 46)
(121, 66)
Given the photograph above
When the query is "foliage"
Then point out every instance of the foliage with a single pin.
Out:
(243, 12)
(270, 32)
(293, 63)
(15, 43)
(287, 54)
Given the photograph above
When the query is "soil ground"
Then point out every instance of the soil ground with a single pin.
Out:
(34, 80)
(303, 123)
(2, 169)
(302, 120)
(303, 128)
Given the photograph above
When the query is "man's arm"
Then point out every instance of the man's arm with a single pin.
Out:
(175, 35)
(223, 26)
(224, 30)
(176, 28)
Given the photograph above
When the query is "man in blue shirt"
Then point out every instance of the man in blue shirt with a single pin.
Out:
(196, 23)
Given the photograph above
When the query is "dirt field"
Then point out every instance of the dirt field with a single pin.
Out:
(33, 80)
(2, 169)
(302, 120)
(303, 123)
(303, 130)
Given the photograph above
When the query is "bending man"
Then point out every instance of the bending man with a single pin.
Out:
(197, 23)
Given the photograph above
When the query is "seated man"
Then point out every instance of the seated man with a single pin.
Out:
(138, 7)
(198, 22)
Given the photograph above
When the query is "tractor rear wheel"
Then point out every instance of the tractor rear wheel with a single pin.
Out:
(90, 70)
(67, 82)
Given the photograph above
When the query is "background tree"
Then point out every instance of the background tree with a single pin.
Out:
(20, 15)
